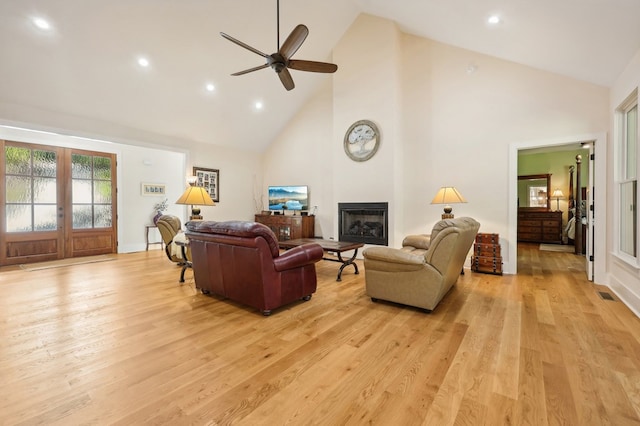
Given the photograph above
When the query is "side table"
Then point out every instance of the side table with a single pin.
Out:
(183, 242)
(147, 227)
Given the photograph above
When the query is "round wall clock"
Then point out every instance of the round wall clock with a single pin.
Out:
(361, 140)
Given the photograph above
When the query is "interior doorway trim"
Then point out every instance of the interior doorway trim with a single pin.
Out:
(599, 200)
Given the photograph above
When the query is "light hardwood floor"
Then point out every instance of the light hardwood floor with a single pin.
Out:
(122, 342)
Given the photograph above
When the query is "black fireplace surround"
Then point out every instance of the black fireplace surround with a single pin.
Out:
(366, 223)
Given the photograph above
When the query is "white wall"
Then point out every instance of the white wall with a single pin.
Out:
(139, 161)
(441, 125)
(303, 156)
(367, 86)
(135, 165)
(239, 171)
(624, 278)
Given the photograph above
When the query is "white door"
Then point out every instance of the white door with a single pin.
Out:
(590, 216)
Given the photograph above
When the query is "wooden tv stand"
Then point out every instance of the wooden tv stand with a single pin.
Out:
(289, 227)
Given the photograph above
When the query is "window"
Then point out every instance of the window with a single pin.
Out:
(628, 176)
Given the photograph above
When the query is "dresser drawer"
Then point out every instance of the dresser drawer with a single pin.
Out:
(529, 236)
(530, 222)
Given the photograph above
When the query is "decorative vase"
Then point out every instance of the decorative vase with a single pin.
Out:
(156, 217)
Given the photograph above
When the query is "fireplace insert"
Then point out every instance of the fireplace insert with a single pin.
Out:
(363, 223)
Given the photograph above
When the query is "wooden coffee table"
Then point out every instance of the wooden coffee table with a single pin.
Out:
(331, 246)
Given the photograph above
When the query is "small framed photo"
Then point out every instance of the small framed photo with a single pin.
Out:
(210, 180)
(158, 189)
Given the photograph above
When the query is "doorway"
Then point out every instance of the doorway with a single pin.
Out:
(597, 216)
(56, 203)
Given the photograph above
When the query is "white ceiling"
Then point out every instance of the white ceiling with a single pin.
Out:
(86, 65)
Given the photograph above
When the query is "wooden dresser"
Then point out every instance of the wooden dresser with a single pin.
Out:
(289, 227)
(540, 226)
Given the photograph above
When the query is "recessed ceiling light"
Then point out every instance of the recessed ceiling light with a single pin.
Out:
(41, 23)
(143, 62)
(493, 19)
(210, 87)
(259, 105)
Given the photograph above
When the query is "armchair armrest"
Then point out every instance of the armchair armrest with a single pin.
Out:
(298, 256)
(421, 241)
(392, 255)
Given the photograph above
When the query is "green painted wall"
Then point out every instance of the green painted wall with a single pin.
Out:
(556, 163)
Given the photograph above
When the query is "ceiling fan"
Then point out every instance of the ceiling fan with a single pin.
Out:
(281, 61)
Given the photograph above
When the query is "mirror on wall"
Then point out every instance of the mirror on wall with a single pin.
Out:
(534, 191)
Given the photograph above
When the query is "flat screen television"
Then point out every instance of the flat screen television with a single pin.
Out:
(293, 197)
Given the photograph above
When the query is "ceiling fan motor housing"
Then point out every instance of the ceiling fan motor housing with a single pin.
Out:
(277, 62)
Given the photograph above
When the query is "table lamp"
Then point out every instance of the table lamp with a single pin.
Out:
(557, 194)
(448, 195)
(195, 195)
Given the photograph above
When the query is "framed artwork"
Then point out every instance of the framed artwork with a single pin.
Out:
(153, 189)
(210, 180)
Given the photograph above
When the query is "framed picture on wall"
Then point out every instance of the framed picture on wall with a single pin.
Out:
(153, 189)
(210, 180)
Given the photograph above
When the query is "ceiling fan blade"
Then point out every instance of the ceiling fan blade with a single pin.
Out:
(246, 46)
(294, 41)
(312, 66)
(285, 78)
(251, 70)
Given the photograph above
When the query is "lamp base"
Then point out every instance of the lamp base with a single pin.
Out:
(195, 217)
(447, 212)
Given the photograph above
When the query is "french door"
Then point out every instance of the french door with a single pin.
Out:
(56, 203)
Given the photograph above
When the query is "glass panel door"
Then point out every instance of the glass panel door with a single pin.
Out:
(91, 189)
(55, 203)
(30, 188)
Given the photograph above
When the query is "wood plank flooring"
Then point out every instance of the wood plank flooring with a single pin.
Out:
(123, 343)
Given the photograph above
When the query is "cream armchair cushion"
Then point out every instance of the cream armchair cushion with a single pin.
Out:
(424, 270)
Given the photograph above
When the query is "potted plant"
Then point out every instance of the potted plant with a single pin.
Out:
(160, 208)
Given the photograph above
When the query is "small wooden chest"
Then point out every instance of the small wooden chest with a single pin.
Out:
(489, 265)
(488, 238)
(486, 254)
(491, 250)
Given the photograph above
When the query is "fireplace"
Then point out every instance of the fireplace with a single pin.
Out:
(366, 223)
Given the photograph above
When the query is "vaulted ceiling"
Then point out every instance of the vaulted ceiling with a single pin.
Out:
(86, 64)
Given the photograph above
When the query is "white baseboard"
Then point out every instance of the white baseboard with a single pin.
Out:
(626, 295)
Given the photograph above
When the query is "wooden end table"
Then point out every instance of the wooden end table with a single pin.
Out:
(330, 246)
(147, 228)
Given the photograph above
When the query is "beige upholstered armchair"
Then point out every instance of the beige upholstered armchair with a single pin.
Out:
(169, 226)
(424, 269)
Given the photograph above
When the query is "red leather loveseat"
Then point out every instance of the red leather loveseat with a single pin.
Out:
(241, 261)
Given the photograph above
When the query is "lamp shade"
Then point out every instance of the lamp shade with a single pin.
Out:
(557, 194)
(448, 195)
(196, 195)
